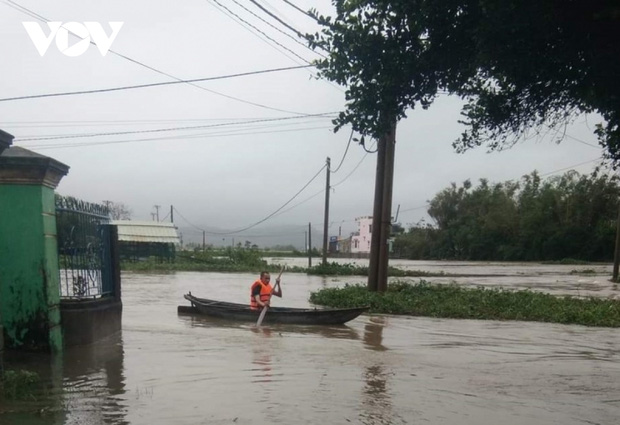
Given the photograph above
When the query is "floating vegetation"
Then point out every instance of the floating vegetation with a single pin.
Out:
(452, 301)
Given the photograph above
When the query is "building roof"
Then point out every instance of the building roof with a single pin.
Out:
(146, 231)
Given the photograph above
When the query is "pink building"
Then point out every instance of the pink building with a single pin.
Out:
(360, 240)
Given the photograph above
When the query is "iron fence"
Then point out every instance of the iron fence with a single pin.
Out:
(83, 249)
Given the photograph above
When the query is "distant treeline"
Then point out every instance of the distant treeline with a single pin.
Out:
(570, 216)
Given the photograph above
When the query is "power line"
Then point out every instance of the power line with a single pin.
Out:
(345, 153)
(352, 171)
(236, 20)
(277, 19)
(160, 130)
(569, 167)
(285, 204)
(232, 232)
(155, 139)
(186, 220)
(30, 13)
(300, 10)
(276, 28)
(165, 83)
(258, 30)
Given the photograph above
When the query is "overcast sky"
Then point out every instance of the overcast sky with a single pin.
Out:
(248, 156)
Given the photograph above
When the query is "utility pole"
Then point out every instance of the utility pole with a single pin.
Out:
(157, 211)
(386, 215)
(614, 277)
(309, 245)
(326, 217)
(171, 214)
(306, 241)
(204, 239)
(153, 216)
(382, 211)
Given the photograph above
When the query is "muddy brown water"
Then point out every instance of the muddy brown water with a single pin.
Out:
(165, 368)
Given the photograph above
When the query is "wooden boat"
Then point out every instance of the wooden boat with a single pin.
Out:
(296, 316)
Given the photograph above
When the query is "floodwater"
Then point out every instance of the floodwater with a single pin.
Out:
(165, 368)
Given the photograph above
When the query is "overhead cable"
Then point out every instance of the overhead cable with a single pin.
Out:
(300, 9)
(160, 130)
(345, 153)
(299, 34)
(233, 132)
(260, 31)
(278, 29)
(165, 83)
(273, 213)
(30, 13)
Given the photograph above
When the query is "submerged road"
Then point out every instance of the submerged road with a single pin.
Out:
(165, 368)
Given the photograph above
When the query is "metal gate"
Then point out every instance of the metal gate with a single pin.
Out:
(84, 249)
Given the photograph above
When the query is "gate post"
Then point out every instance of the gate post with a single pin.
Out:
(29, 276)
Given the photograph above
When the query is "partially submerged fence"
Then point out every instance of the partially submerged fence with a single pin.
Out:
(84, 249)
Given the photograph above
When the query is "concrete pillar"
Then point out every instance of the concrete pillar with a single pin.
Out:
(29, 277)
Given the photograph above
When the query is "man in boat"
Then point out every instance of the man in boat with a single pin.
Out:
(261, 291)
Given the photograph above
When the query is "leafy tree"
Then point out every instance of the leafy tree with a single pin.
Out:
(117, 210)
(568, 216)
(517, 63)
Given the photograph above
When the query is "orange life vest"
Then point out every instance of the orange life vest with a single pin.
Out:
(265, 294)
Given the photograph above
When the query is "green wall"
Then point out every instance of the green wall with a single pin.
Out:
(29, 279)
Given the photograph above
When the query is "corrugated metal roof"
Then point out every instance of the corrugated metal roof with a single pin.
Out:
(146, 231)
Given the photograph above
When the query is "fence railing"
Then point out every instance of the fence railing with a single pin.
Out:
(83, 249)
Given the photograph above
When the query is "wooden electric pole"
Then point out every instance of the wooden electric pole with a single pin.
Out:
(309, 245)
(382, 211)
(614, 277)
(326, 216)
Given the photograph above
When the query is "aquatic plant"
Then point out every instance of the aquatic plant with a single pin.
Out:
(453, 301)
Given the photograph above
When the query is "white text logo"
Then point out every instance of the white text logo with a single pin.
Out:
(87, 31)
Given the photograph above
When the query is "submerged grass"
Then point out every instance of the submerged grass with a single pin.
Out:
(18, 385)
(239, 261)
(452, 301)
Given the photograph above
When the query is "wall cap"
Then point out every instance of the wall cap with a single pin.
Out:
(22, 166)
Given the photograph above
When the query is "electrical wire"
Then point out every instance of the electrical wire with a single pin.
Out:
(352, 171)
(345, 154)
(300, 10)
(260, 221)
(278, 29)
(30, 13)
(165, 83)
(280, 208)
(277, 19)
(260, 31)
(161, 130)
(155, 139)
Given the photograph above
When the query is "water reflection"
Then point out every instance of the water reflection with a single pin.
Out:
(377, 404)
(94, 382)
(373, 333)
(83, 385)
(331, 331)
(262, 355)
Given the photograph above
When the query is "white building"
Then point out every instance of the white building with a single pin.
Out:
(360, 240)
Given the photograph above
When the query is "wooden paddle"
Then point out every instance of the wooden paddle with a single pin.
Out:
(264, 311)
